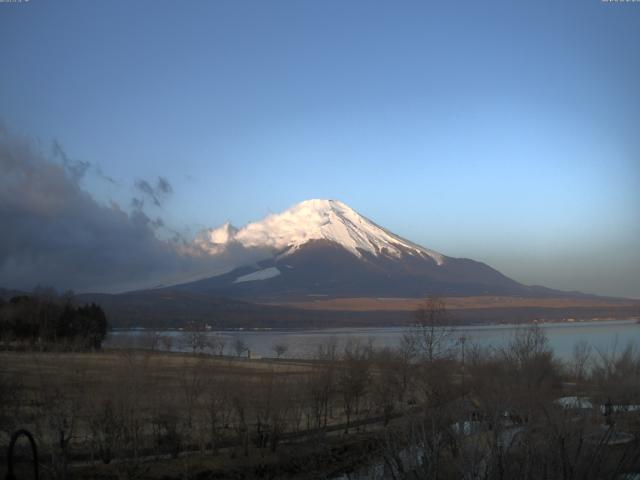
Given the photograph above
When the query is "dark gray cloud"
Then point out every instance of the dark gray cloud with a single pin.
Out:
(76, 168)
(137, 203)
(55, 233)
(164, 187)
(157, 223)
(158, 193)
(103, 176)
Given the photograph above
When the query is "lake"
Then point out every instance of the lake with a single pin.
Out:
(601, 335)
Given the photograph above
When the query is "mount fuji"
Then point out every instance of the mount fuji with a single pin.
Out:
(325, 248)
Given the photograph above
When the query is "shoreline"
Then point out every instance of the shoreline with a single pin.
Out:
(308, 329)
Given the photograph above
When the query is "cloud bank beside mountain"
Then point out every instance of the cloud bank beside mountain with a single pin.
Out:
(55, 233)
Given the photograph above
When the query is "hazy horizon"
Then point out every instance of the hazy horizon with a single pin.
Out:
(501, 132)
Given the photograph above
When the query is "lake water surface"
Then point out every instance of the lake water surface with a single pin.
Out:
(601, 335)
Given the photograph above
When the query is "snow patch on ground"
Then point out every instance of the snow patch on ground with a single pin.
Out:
(259, 275)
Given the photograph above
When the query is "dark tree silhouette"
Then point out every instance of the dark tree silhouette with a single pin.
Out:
(43, 321)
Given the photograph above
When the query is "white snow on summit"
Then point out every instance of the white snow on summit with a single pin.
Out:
(316, 220)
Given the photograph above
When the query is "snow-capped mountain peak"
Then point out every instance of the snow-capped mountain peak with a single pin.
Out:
(315, 219)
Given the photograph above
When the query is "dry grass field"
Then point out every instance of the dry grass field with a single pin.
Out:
(104, 374)
(37, 369)
(148, 414)
(117, 403)
(134, 414)
(365, 304)
(109, 374)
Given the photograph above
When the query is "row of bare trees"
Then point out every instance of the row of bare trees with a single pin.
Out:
(196, 339)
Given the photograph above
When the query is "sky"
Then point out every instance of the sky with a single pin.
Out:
(502, 131)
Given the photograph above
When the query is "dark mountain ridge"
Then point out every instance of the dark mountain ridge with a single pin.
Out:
(324, 268)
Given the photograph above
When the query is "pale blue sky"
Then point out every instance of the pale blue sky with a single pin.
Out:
(503, 131)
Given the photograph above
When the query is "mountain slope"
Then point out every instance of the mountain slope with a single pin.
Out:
(325, 268)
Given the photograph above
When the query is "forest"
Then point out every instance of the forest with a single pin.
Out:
(45, 321)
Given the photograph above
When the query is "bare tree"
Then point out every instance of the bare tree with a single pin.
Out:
(354, 378)
(239, 395)
(167, 342)
(320, 385)
(530, 354)
(580, 358)
(266, 407)
(152, 340)
(386, 382)
(431, 337)
(59, 412)
(405, 360)
(13, 395)
(134, 387)
(280, 348)
(219, 407)
(240, 346)
(617, 373)
(167, 430)
(218, 343)
(421, 448)
(195, 338)
(105, 428)
(192, 385)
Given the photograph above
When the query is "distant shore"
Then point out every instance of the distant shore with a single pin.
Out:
(634, 319)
